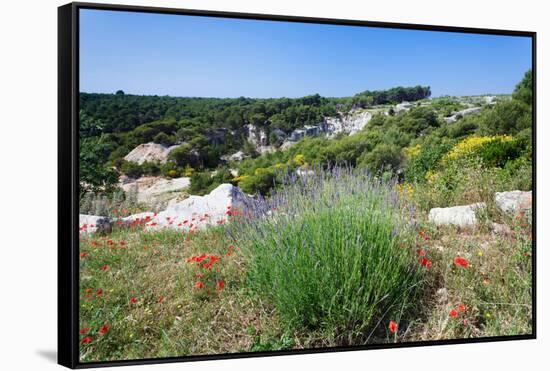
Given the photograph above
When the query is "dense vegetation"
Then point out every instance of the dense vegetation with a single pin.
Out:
(111, 125)
(409, 144)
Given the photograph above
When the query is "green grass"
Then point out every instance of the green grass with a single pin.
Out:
(332, 262)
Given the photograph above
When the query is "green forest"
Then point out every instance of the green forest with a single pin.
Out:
(111, 125)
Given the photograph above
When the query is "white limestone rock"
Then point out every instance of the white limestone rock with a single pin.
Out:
(93, 223)
(513, 201)
(195, 212)
(149, 152)
(461, 216)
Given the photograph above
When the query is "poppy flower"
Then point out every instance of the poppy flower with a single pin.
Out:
(82, 254)
(461, 308)
(86, 340)
(425, 262)
(458, 261)
(133, 300)
(84, 330)
(103, 329)
(420, 252)
(122, 243)
(453, 313)
(199, 285)
(219, 285)
(160, 299)
(104, 268)
(392, 327)
(99, 293)
(88, 291)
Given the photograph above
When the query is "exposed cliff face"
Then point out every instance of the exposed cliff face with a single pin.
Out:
(349, 123)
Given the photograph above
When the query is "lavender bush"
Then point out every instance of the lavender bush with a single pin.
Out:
(329, 250)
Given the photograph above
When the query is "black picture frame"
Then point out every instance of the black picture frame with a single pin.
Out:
(68, 164)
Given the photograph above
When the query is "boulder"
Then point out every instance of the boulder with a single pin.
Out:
(94, 223)
(152, 190)
(509, 202)
(195, 212)
(150, 152)
(461, 216)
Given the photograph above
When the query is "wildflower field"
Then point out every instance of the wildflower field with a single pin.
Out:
(340, 258)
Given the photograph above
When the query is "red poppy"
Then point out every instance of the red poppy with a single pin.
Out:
(110, 243)
(461, 308)
(84, 330)
(82, 254)
(461, 262)
(198, 259)
(99, 293)
(420, 252)
(160, 299)
(122, 243)
(392, 327)
(219, 285)
(103, 329)
(88, 292)
(104, 268)
(133, 300)
(199, 285)
(425, 262)
(453, 313)
(86, 340)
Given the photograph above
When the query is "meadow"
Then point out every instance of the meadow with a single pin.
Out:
(342, 258)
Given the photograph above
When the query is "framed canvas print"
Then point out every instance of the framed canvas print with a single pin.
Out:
(237, 185)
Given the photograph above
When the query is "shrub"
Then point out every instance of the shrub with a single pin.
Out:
(204, 182)
(384, 157)
(164, 139)
(426, 159)
(469, 147)
(131, 169)
(150, 168)
(328, 255)
(169, 169)
(260, 183)
(497, 153)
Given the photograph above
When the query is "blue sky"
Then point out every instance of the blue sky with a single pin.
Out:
(159, 54)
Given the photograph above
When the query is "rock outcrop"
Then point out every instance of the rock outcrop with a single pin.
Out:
(149, 152)
(348, 124)
(195, 212)
(514, 201)
(461, 216)
(152, 189)
(459, 114)
(94, 223)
